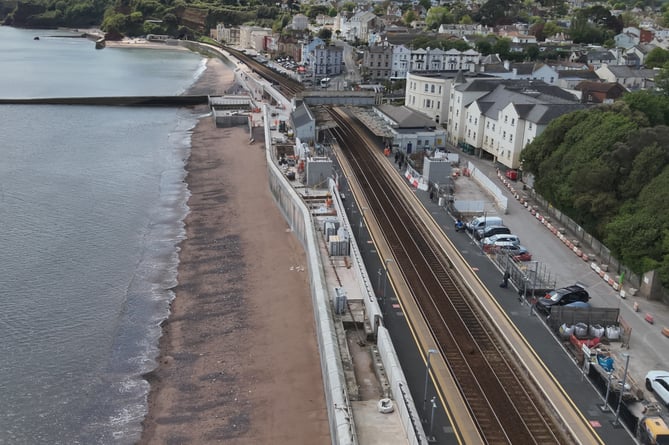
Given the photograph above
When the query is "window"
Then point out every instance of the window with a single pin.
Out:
(476, 121)
(418, 142)
(513, 121)
(469, 133)
(432, 89)
(506, 118)
(493, 127)
(427, 142)
(486, 139)
(487, 124)
(438, 104)
(504, 135)
(439, 89)
(426, 88)
(510, 138)
(530, 125)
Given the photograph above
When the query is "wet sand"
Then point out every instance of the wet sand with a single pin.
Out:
(238, 360)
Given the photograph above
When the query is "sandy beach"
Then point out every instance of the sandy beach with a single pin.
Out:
(238, 360)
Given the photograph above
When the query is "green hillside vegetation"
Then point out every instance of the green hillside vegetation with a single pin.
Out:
(139, 17)
(607, 168)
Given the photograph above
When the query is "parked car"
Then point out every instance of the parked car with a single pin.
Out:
(501, 246)
(658, 382)
(502, 237)
(562, 297)
(489, 231)
(483, 221)
(517, 252)
(520, 254)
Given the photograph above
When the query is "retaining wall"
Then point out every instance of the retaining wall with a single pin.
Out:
(340, 413)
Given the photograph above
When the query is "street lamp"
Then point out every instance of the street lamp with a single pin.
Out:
(622, 388)
(385, 284)
(431, 437)
(386, 261)
(362, 217)
(427, 375)
(605, 406)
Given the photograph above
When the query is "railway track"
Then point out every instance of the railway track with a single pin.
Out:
(287, 86)
(505, 405)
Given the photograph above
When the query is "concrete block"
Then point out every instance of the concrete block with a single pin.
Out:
(604, 267)
(632, 291)
(576, 242)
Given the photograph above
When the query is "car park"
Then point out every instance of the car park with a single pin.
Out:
(658, 382)
(489, 231)
(562, 297)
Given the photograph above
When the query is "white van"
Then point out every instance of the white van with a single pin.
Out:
(481, 222)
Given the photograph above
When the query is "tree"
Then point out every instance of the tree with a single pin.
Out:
(502, 47)
(438, 15)
(652, 108)
(657, 57)
(662, 79)
(325, 34)
(484, 47)
(497, 12)
(466, 20)
(532, 52)
(409, 17)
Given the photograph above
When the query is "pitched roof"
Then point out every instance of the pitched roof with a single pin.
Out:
(523, 86)
(577, 74)
(600, 55)
(523, 68)
(405, 117)
(603, 87)
(302, 116)
(624, 71)
(536, 103)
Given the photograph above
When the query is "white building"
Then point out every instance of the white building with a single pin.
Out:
(500, 117)
(327, 60)
(435, 59)
(357, 27)
(411, 131)
(300, 22)
(401, 59)
(428, 93)
(253, 37)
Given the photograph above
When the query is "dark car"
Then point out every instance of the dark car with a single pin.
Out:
(562, 297)
(489, 231)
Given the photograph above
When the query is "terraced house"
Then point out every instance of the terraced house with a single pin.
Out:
(498, 118)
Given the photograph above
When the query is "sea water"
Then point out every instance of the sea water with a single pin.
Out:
(92, 201)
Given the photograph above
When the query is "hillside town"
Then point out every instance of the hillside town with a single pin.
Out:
(488, 88)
